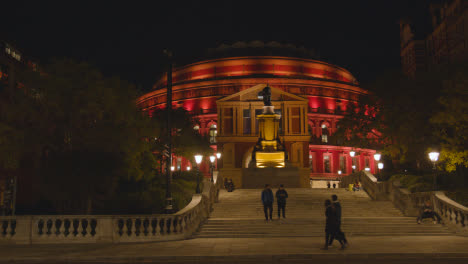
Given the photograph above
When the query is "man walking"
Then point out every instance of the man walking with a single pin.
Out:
(267, 200)
(340, 235)
(281, 196)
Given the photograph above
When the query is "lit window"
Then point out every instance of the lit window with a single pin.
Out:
(213, 134)
(324, 139)
(326, 163)
(324, 133)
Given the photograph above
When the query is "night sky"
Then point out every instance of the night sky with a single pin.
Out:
(127, 39)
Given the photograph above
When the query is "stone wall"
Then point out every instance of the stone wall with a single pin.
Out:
(49, 229)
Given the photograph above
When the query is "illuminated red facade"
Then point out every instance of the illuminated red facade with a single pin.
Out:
(328, 89)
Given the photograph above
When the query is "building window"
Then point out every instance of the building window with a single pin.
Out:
(296, 120)
(179, 163)
(355, 165)
(247, 122)
(213, 133)
(324, 133)
(327, 163)
(312, 162)
(343, 164)
(228, 121)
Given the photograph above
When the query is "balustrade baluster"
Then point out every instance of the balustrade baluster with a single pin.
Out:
(79, 228)
(182, 223)
(130, 224)
(61, 229)
(169, 225)
(177, 225)
(158, 227)
(124, 227)
(453, 216)
(8, 228)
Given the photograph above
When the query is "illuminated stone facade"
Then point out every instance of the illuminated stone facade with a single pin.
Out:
(311, 96)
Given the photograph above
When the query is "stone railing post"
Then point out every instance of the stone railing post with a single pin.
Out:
(454, 215)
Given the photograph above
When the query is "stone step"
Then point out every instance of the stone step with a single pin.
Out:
(320, 234)
(240, 214)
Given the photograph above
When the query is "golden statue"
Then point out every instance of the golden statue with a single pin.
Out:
(269, 151)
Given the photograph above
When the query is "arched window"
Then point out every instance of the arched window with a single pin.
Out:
(213, 133)
(324, 133)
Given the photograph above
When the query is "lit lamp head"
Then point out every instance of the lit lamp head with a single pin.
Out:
(339, 172)
(377, 156)
(188, 168)
(354, 167)
(212, 158)
(380, 165)
(367, 169)
(198, 159)
(218, 155)
(434, 156)
(172, 168)
(352, 153)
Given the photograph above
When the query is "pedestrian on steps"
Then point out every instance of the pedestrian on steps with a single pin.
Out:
(281, 196)
(340, 234)
(331, 224)
(267, 200)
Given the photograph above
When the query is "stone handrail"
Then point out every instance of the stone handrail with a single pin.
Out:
(369, 183)
(44, 229)
(454, 214)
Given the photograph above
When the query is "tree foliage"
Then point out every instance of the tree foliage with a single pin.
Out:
(451, 121)
(82, 137)
(396, 116)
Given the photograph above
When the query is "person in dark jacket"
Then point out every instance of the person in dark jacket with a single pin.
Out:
(225, 183)
(281, 196)
(230, 185)
(331, 222)
(339, 233)
(267, 200)
(428, 212)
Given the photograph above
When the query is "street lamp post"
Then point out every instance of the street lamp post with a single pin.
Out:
(169, 206)
(198, 159)
(212, 160)
(380, 166)
(434, 156)
(377, 157)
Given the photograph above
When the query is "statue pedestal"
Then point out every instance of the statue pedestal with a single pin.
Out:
(269, 152)
(254, 178)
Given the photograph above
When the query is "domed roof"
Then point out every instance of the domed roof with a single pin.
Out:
(261, 48)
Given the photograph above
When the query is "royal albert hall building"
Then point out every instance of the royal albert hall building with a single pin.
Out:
(310, 95)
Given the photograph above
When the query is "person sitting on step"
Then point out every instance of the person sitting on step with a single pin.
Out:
(356, 186)
(428, 212)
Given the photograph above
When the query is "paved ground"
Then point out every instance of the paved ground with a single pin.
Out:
(448, 249)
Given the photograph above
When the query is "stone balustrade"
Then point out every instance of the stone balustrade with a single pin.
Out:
(454, 214)
(44, 229)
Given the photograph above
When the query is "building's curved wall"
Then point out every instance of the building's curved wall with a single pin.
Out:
(196, 87)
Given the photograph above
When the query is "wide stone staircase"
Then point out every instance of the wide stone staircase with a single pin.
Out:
(240, 214)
